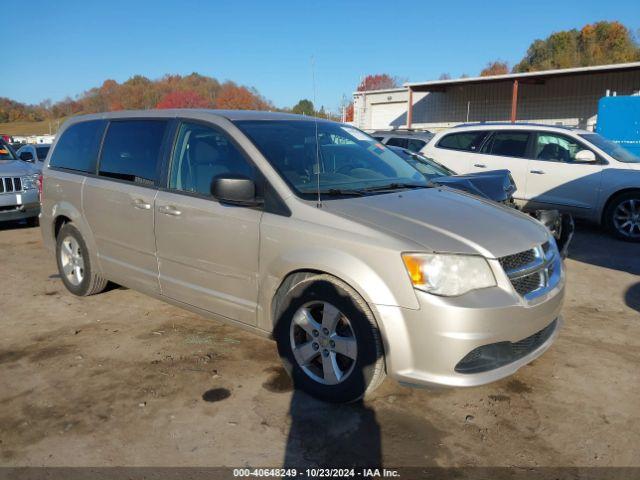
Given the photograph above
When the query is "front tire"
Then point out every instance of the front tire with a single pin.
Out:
(328, 340)
(622, 217)
(74, 264)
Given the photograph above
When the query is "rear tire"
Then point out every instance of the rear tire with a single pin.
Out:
(622, 217)
(328, 340)
(74, 264)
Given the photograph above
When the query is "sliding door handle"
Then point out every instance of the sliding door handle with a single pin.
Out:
(480, 165)
(537, 172)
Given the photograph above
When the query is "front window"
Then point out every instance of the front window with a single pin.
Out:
(201, 154)
(5, 151)
(348, 161)
(612, 149)
(557, 148)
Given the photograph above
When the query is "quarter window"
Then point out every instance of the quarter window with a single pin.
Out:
(556, 148)
(464, 141)
(77, 148)
(508, 144)
(201, 154)
(132, 149)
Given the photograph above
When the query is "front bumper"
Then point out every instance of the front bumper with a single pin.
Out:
(20, 205)
(424, 346)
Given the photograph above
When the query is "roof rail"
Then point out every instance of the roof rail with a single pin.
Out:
(530, 124)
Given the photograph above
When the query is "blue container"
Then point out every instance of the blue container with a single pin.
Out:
(619, 121)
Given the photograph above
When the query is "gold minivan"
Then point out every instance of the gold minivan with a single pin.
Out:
(308, 231)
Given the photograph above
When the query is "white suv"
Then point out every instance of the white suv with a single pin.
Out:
(576, 171)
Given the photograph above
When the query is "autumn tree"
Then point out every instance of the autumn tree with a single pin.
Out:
(183, 99)
(595, 44)
(235, 97)
(378, 81)
(349, 113)
(303, 107)
(496, 67)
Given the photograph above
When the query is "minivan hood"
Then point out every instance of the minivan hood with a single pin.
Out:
(444, 220)
(15, 168)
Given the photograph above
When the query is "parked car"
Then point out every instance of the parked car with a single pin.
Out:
(496, 185)
(575, 171)
(413, 140)
(308, 231)
(35, 154)
(19, 196)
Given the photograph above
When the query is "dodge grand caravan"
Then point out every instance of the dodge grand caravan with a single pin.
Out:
(308, 231)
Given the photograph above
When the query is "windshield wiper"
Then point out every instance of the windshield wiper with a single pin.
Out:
(341, 191)
(394, 186)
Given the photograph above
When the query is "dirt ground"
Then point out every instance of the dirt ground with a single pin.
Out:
(122, 379)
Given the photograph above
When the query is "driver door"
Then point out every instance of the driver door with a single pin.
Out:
(207, 251)
(555, 179)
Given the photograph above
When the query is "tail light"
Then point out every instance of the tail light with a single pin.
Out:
(40, 187)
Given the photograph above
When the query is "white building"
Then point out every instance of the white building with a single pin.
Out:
(558, 97)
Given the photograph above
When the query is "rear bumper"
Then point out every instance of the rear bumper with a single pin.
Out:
(427, 346)
(18, 206)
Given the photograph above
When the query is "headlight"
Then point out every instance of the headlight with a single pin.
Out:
(30, 182)
(446, 274)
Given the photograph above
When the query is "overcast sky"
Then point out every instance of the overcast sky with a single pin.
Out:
(57, 48)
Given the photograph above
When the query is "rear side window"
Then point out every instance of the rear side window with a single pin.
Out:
(77, 148)
(415, 145)
(464, 141)
(509, 144)
(398, 142)
(131, 150)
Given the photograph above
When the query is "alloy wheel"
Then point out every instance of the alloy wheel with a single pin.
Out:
(71, 260)
(323, 342)
(626, 218)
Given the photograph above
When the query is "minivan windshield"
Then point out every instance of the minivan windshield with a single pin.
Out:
(350, 162)
(618, 152)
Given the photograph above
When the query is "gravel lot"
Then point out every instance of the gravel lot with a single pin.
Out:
(122, 379)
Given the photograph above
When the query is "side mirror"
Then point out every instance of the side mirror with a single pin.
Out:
(234, 190)
(26, 157)
(586, 156)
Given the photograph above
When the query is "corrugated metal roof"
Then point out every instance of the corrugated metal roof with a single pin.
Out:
(532, 75)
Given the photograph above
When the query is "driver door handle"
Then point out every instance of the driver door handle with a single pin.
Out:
(141, 204)
(169, 210)
(537, 172)
(480, 165)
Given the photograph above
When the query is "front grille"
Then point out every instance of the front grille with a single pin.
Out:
(512, 262)
(496, 355)
(534, 271)
(10, 184)
(528, 283)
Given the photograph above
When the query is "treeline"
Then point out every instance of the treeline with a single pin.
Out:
(139, 92)
(598, 43)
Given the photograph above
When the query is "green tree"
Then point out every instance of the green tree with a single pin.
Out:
(304, 107)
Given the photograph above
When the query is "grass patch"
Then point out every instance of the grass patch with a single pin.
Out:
(30, 128)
